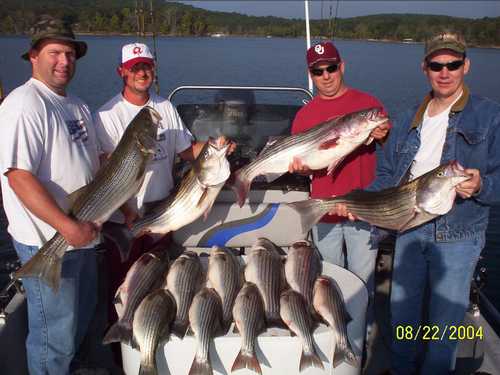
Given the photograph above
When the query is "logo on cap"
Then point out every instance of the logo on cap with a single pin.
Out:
(137, 50)
(319, 49)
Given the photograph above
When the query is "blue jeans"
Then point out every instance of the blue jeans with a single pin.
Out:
(361, 252)
(57, 322)
(446, 269)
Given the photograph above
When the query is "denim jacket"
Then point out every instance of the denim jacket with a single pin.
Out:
(472, 138)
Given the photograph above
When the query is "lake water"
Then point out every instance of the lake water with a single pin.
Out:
(390, 71)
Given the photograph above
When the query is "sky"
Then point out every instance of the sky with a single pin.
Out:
(321, 8)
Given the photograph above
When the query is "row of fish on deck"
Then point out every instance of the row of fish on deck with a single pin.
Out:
(324, 146)
(270, 290)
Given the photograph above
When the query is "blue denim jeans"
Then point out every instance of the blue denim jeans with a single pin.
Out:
(361, 252)
(446, 269)
(57, 322)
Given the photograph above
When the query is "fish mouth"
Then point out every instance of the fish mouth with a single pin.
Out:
(221, 144)
(377, 117)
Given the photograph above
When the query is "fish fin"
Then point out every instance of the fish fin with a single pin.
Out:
(310, 212)
(235, 329)
(200, 367)
(271, 141)
(189, 331)
(118, 297)
(241, 186)
(147, 370)
(249, 361)
(270, 177)
(73, 197)
(309, 360)
(368, 141)
(134, 343)
(121, 236)
(118, 332)
(333, 165)
(202, 198)
(345, 355)
(329, 144)
(409, 222)
(47, 267)
(207, 211)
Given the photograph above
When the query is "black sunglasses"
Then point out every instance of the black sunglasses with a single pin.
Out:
(319, 72)
(451, 66)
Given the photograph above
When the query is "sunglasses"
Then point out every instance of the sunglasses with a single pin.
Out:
(451, 66)
(319, 72)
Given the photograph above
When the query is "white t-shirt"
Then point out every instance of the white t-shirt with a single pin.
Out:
(173, 137)
(432, 137)
(52, 137)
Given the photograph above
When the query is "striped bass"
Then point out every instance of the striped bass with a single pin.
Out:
(302, 267)
(329, 304)
(226, 277)
(295, 314)
(116, 181)
(184, 279)
(323, 146)
(205, 317)
(195, 197)
(248, 313)
(144, 275)
(264, 268)
(151, 325)
(399, 208)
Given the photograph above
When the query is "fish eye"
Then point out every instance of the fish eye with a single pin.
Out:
(440, 174)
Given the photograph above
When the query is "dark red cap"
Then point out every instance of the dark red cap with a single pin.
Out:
(322, 52)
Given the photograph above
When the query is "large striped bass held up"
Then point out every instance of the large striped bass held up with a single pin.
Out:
(399, 208)
(145, 274)
(323, 146)
(194, 198)
(184, 279)
(151, 325)
(329, 304)
(116, 181)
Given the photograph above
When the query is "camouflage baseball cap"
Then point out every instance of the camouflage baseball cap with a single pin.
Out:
(50, 28)
(445, 40)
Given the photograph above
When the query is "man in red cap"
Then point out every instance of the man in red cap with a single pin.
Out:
(333, 99)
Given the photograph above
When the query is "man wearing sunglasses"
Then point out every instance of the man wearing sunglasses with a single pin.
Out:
(449, 124)
(334, 98)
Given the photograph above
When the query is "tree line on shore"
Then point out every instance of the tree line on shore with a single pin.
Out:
(176, 19)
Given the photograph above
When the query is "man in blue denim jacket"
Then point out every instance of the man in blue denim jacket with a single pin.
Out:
(450, 124)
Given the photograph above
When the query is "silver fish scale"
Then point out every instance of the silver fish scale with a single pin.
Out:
(123, 180)
(302, 142)
(302, 267)
(151, 322)
(183, 280)
(141, 281)
(249, 311)
(264, 270)
(204, 315)
(338, 319)
(296, 312)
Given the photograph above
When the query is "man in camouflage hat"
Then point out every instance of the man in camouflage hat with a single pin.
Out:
(48, 150)
(441, 255)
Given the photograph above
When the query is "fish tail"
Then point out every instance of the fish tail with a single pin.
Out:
(200, 367)
(147, 370)
(309, 360)
(241, 186)
(119, 332)
(180, 328)
(310, 212)
(345, 355)
(44, 266)
(120, 236)
(246, 360)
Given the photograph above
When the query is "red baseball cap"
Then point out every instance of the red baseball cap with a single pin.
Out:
(322, 52)
(135, 53)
